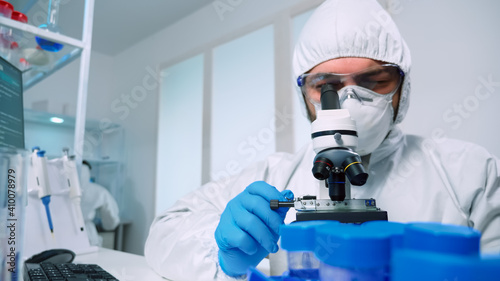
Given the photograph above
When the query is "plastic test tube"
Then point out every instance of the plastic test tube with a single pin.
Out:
(350, 252)
(298, 239)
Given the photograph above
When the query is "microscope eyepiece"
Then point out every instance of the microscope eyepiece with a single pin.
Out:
(355, 171)
(329, 97)
(321, 168)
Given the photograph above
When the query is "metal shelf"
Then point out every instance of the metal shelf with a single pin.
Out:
(56, 60)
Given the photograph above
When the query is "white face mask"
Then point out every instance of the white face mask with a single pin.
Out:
(372, 112)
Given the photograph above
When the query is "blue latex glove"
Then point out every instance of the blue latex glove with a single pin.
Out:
(248, 229)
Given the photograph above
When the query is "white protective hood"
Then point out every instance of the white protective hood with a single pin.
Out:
(353, 28)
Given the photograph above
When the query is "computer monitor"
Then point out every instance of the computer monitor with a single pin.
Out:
(11, 106)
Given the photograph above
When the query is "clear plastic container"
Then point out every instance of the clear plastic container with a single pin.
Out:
(6, 10)
(303, 264)
(18, 43)
(298, 240)
(350, 252)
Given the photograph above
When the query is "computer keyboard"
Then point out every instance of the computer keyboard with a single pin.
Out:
(65, 272)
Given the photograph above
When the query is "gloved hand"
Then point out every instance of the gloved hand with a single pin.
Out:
(248, 229)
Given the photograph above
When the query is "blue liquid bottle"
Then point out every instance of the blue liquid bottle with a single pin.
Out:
(396, 231)
(442, 238)
(298, 239)
(49, 45)
(436, 252)
(51, 25)
(351, 252)
(412, 265)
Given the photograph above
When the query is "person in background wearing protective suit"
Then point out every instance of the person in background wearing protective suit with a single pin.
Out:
(219, 230)
(96, 199)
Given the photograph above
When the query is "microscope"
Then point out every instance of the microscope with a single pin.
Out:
(334, 142)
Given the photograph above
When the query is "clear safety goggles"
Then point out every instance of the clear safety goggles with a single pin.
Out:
(382, 79)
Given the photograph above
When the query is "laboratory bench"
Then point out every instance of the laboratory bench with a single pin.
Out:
(123, 266)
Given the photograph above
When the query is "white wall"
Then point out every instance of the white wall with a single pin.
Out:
(243, 102)
(179, 123)
(60, 89)
(43, 136)
(454, 46)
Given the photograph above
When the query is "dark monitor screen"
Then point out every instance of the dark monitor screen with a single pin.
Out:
(11, 106)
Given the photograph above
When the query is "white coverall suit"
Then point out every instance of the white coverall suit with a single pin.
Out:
(412, 178)
(97, 199)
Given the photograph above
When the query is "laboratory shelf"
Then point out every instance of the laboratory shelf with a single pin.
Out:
(50, 61)
(106, 149)
(42, 32)
(42, 117)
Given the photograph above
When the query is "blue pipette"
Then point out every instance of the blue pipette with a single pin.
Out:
(42, 180)
(46, 201)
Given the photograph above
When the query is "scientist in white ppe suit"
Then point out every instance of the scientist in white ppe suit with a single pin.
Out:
(219, 230)
(97, 200)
